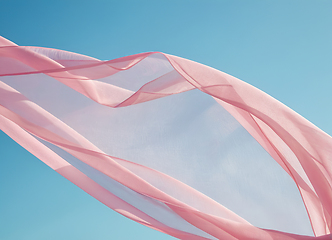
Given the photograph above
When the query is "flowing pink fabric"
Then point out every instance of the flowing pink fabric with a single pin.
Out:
(170, 143)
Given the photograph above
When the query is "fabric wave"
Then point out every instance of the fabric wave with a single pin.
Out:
(170, 143)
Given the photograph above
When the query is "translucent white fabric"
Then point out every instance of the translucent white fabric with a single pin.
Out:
(170, 143)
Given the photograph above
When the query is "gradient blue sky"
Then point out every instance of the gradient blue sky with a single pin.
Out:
(282, 47)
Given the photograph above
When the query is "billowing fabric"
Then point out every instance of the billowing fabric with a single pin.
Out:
(170, 143)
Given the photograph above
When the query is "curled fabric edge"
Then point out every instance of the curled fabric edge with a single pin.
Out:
(274, 130)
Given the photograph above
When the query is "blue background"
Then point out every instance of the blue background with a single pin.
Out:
(282, 47)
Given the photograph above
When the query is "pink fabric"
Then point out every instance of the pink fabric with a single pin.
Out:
(117, 130)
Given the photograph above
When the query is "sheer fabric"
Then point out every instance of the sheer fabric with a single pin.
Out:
(170, 143)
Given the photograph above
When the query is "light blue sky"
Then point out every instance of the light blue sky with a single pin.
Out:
(282, 47)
